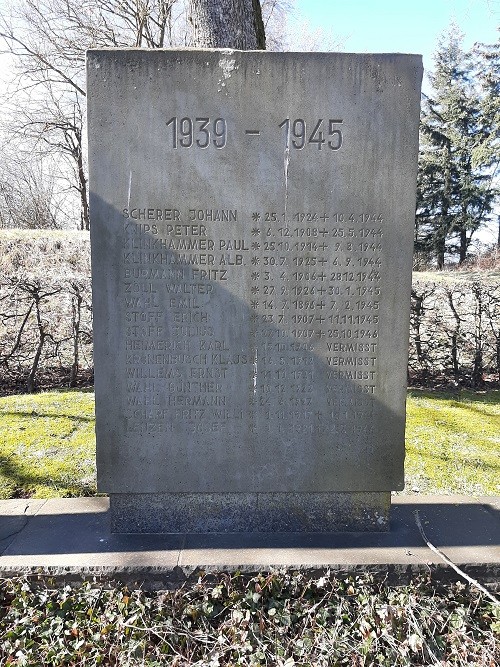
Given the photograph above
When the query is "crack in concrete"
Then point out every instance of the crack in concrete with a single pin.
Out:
(20, 530)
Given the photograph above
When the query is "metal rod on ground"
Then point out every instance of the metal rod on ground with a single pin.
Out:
(451, 564)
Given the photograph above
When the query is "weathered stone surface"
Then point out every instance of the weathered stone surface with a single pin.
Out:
(249, 512)
(252, 222)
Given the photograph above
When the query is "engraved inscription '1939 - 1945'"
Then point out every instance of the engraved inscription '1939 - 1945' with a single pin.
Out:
(200, 132)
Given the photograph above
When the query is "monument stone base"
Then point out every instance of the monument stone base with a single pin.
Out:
(249, 512)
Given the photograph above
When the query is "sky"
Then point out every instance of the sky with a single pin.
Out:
(385, 26)
(400, 26)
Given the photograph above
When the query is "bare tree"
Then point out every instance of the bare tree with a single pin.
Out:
(28, 193)
(49, 130)
(49, 39)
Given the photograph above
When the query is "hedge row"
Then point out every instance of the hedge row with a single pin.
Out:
(455, 332)
(46, 317)
(45, 307)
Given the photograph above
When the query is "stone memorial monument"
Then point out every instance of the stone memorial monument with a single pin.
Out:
(251, 222)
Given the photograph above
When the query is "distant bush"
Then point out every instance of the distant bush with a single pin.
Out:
(46, 317)
(487, 260)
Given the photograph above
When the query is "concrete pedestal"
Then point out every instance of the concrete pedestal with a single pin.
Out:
(249, 512)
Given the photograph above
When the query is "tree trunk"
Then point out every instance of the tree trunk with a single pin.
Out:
(76, 306)
(440, 249)
(478, 370)
(445, 227)
(464, 244)
(82, 179)
(231, 24)
(418, 311)
(455, 336)
(30, 382)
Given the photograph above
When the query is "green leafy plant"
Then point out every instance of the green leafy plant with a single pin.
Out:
(275, 618)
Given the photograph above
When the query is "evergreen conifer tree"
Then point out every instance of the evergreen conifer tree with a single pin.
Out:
(454, 193)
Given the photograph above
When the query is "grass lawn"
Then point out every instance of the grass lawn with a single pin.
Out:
(453, 443)
(47, 444)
